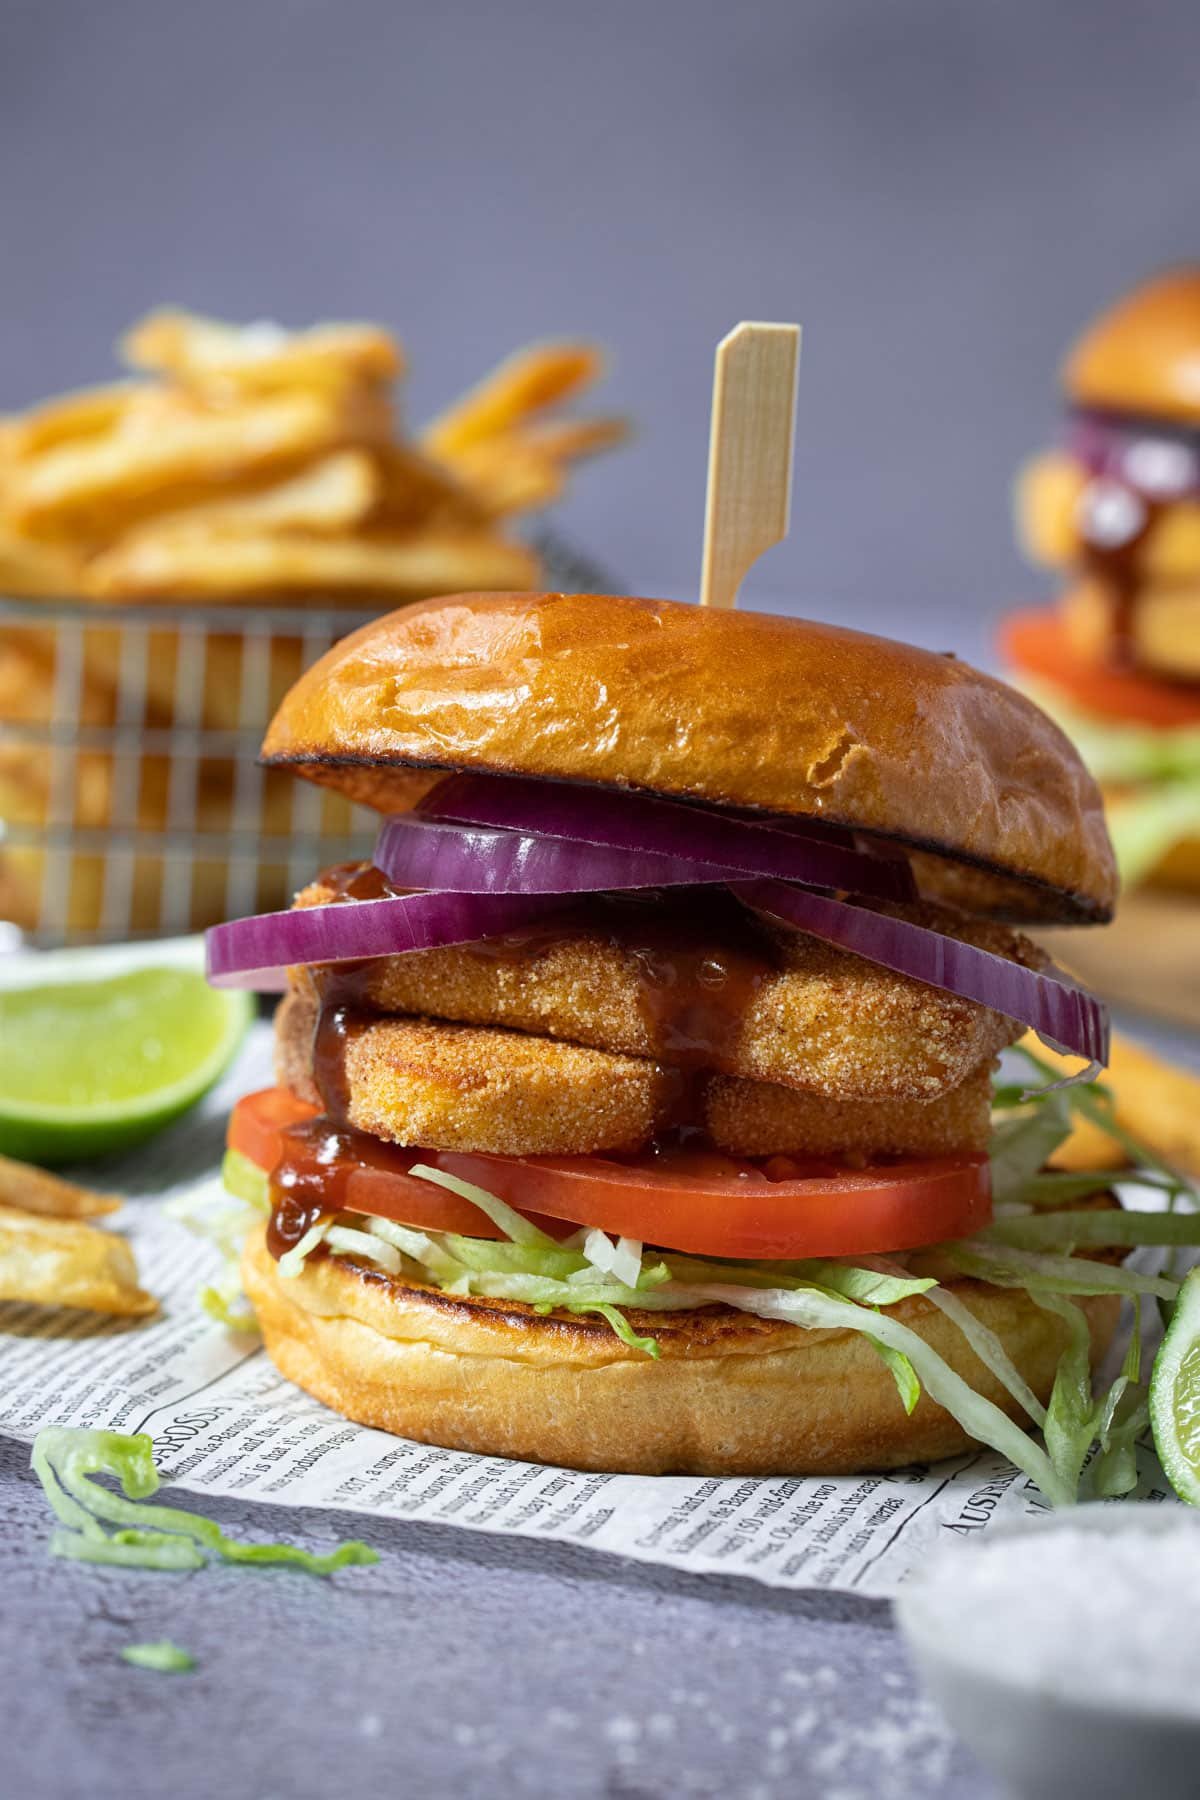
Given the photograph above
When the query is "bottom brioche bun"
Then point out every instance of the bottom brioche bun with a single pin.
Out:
(730, 1394)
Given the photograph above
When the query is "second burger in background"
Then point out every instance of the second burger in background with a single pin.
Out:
(1116, 511)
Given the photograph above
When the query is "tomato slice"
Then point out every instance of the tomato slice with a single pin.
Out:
(705, 1203)
(258, 1121)
(1035, 641)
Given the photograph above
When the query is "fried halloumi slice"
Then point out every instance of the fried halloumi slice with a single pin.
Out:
(760, 1118)
(453, 1087)
(796, 1011)
(456, 1087)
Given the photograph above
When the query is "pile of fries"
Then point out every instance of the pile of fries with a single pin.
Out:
(250, 463)
(240, 465)
(50, 1255)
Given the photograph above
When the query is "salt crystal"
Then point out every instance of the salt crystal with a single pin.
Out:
(1105, 1617)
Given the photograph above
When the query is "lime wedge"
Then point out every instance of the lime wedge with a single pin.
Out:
(1175, 1394)
(93, 1066)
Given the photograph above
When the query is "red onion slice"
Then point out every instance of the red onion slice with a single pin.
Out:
(1064, 1015)
(257, 952)
(478, 859)
(639, 825)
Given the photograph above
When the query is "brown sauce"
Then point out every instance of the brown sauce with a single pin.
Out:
(700, 961)
(358, 881)
(313, 1175)
(1118, 570)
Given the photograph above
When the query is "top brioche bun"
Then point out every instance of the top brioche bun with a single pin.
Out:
(731, 708)
(1143, 355)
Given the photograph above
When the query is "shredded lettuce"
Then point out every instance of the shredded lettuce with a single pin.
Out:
(364, 1243)
(901, 1370)
(65, 1460)
(246, 1181)
(990, 1351)
(1148, 824)
(224, 1221)
(1044, 1274)
(1103, 1229)
(1021, 1146)
(979, 1417)
(513, 1224)
(1159, 764)
(1124, 752)
(164, 1657)
(291, 1263)
(1071, 1417)
(620, 1324)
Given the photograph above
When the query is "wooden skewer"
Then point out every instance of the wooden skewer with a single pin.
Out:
(749, 454)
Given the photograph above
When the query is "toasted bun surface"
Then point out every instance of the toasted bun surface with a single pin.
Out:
(731, 1394)
(730, 708)
(1143, 355)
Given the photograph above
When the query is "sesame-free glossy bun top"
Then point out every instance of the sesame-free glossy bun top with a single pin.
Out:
(1143, 355)
(730, 708)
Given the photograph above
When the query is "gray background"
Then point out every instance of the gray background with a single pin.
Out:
(942, 190)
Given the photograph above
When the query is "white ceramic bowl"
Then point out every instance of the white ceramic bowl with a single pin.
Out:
(1043, 1742)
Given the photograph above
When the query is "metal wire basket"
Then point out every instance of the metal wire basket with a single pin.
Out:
(132, 803)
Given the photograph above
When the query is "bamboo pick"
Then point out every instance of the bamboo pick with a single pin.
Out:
(749, 454)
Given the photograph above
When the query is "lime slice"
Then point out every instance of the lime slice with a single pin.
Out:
(93, 1066)
(1175, 1394)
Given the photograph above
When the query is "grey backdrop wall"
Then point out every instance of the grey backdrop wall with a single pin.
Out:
(940, 191)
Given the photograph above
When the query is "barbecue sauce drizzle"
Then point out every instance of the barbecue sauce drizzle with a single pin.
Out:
(692, 1003)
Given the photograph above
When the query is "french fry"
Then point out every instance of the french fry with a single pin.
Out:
(199, 565)
(258, 358)
(506, 476)
(331, 494)
(27, 1188)
(525, 468)
(241, 464)
(170, 451)
(1151, 1100)
(84, 413)
(32, 569)
(567, 440)
(419, 491)
(527, 382)
(65, 1262)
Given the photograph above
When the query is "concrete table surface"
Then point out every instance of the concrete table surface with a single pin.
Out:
(459, 1666)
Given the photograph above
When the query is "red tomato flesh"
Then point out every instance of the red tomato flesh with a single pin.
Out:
(1035, 642)
(701, 1202)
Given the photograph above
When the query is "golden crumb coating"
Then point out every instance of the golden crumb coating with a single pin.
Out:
(765, 1004)
(452, 1087)
(759, 1118)
(455, 1087)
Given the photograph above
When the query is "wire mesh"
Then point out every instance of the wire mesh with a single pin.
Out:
(132, 802)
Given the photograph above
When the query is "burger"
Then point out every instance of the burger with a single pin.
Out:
(633, 1103)
(1115, 512)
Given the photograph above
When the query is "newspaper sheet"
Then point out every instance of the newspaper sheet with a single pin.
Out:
(223, 1422)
